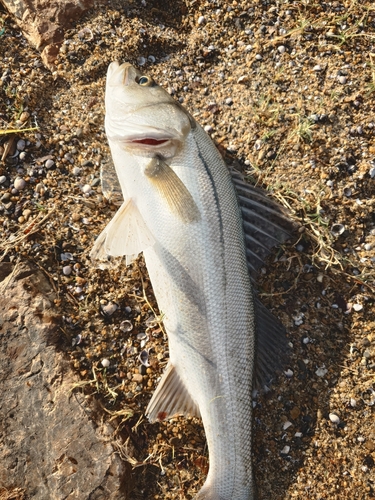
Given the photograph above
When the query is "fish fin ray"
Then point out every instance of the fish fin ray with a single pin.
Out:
(126, 234)
(171, 398)
(172, 190)
(272, 346)
(266, 223)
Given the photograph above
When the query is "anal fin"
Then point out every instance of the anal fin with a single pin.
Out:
(126, 234)
(171, 398)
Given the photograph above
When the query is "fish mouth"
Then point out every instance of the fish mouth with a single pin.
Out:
(149, 141)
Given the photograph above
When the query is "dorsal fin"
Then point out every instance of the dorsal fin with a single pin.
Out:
(266, 223)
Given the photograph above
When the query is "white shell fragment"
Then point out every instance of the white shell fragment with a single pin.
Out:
(285, 450)
(286, 425)
(105, 363)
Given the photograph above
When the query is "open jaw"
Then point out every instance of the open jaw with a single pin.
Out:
(149, 141)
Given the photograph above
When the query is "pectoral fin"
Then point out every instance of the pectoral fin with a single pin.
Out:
(171, 398)
(126, 234)
(172, 190)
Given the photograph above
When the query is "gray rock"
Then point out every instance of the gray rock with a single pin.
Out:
(49, 445)
(43, 21)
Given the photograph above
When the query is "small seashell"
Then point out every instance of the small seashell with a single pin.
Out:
(109, 309)
(66, 256)
(76, 340)
(337, 229)
(126, 326)
(368, 397)
(335, 419)
(143, 357)
(105, 362)
(142, 336)
(243, 79)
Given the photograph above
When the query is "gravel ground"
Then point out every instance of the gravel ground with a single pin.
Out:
(286, 90)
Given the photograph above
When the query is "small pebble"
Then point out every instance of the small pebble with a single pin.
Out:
(317, 67)
(335, 419)
(21, 145)
(49, 164)
(258, 57)
(137, 377)
(353, 402)
(342, 79)
(67, 270)
(285, 450)
(76, 171)
(2, 179)
(357, 307)
(24, 116)
(229, 101)
(201, 20)
(281, 49)
(141, 61)
(19, 184)
(105, 362)
(22, 155)
(367, 247)
(320, 372)
(86, 189)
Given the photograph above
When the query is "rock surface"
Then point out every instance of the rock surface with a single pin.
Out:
(49, 446)
(43, 21)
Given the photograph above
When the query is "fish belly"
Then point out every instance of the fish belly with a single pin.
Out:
(202, 286)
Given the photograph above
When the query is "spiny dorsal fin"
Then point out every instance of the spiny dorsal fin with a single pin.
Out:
(266, 223)
(171, 398)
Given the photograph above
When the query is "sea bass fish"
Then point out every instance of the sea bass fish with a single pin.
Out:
(202, 231)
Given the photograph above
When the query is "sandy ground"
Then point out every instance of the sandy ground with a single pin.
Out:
(286, 91)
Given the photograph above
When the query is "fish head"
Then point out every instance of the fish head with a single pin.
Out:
(141, 116)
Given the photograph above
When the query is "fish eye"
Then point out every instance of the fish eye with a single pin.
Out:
(145, 81)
